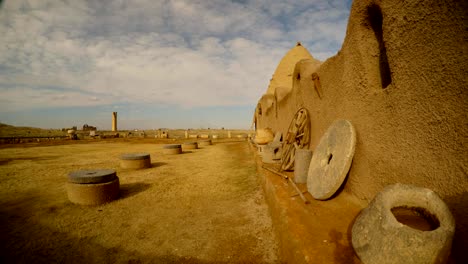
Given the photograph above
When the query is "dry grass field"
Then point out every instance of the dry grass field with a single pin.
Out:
(203, 206)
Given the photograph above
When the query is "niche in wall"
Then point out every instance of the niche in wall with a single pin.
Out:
(375, 19)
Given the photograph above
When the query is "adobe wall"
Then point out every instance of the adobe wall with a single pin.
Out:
(400, 78)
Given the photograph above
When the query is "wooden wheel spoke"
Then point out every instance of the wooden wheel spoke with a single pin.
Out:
(297, 137)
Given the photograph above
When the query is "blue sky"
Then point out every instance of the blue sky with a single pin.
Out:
(168, 63)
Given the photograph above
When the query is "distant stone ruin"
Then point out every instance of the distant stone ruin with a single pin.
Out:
(87, 127)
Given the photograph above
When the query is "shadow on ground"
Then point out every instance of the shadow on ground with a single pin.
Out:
(25, 240)
(157, 164)
(131, 189)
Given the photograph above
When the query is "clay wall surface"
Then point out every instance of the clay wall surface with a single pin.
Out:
(400, 78)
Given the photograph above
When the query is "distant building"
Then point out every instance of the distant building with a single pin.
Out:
(87, 127)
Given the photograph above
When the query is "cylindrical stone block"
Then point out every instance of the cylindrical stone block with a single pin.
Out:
(93, 193)
(301, 165)
(190, 145)
(214, 136)
(92, 176)
(135, 161)
(204, 136)
(92, 187)
(172, 149)
(202, 143)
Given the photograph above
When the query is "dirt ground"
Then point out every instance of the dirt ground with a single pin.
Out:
(203, 206)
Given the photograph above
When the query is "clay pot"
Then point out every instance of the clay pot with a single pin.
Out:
(264, 136)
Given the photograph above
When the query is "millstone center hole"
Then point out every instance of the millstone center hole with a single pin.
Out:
(91, 173)
(416, 217)
(330, 156)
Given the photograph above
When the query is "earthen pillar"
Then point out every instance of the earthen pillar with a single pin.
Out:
(114, 121)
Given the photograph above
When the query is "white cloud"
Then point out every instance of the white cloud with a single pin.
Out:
(182, 53)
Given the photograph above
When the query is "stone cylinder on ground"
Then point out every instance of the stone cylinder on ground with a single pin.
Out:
(92, 187)
(135, 161)
(204, 142)
(301, 165)
(172, 149)
(189, 145)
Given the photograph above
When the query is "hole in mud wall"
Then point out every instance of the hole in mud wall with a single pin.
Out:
(375, 19)
(416, 217)
(298, 77)
(329, 158)
(259, 107)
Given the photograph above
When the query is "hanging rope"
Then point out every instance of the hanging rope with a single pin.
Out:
(298, 137)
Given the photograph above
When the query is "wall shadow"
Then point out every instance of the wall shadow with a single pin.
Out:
(458, 206)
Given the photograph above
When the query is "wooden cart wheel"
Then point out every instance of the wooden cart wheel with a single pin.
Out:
(298, 137)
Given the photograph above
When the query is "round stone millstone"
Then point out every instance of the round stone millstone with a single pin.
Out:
(135, 161)
(378, 237)
(190, 145)
(91, 176)
(172, 149)
(93, 193)
(135, 156)
(204, 143)
(331, 160)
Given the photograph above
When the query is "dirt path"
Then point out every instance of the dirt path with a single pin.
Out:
(199, 207)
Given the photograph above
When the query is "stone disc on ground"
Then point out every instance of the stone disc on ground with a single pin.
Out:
(135, 156)
(91, 176)
(172, 146)
(331, 160)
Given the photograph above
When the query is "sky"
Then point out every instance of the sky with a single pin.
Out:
(158, 63)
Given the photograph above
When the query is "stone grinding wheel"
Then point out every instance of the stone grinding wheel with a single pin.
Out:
(205, 142)
(92, 176)
(298, 136)
(135, 161)
(93, 193)
(331, 160)
(190, 145)
(172, 149)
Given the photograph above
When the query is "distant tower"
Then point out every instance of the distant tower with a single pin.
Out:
(114, 121)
